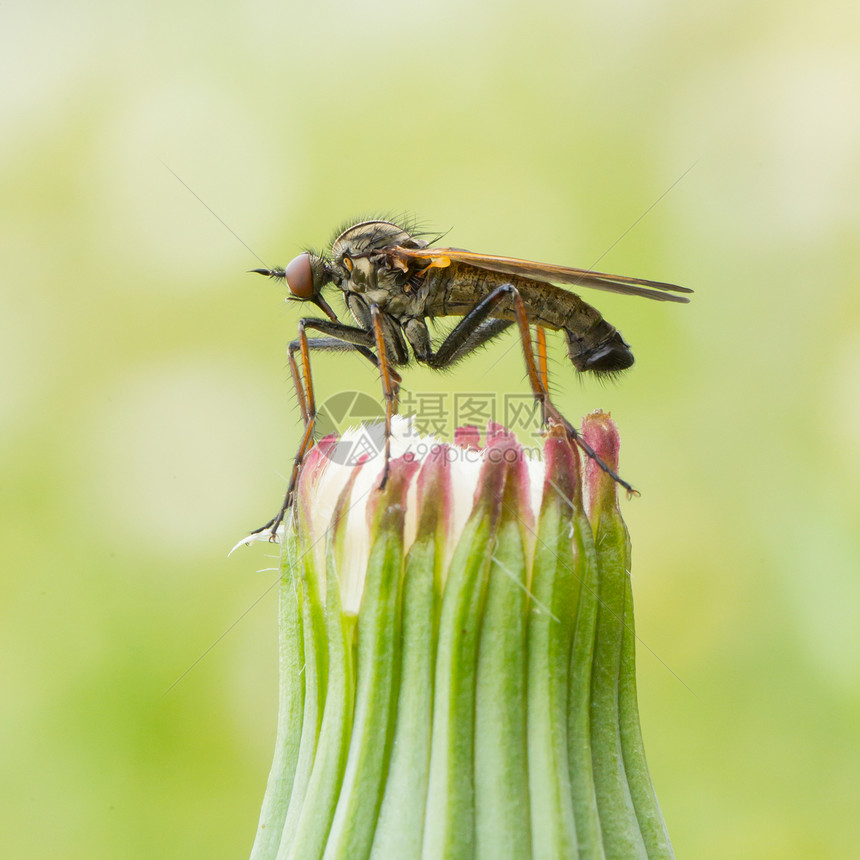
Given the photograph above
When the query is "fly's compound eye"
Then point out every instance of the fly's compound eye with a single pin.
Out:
(300, 278)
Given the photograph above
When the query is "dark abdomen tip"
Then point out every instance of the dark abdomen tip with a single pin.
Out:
(610, 356)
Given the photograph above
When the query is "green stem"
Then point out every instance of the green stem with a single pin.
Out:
(354, 822)
(324, 785)
(400, 828)
(622, 839)
(555, 593)
(449, 823)
(290, 709)
(314, 672)
(651, 823)
(502, 826)
(579, 715)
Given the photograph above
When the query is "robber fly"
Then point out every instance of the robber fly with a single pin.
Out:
(393, 281)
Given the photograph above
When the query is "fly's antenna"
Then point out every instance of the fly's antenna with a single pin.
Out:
(213, 213)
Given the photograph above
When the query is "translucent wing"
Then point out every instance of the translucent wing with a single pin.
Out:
(442, 257)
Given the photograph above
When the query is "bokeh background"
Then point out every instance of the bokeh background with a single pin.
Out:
(147, 421)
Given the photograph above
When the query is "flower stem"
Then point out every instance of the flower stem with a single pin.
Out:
(502, 820)
(651, 823)
(378, 659)
(400, 828)
(311, 832)
(449, 824)
(308, 816)
(621, 836)
(631, 822)
(290, 710)
(555, 591)
(315, 673)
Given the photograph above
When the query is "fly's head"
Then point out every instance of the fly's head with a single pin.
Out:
(306, 276)
(356, 264)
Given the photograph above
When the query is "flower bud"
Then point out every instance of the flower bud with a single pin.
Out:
(457, 657)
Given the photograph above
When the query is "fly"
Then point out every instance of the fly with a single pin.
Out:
(392, 281)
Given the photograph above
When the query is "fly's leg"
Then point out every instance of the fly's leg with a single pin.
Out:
(543, 371)
(305, 392)
(538, 378)
(307, 406)
(390, 386)
(467, 335)
(346, 338)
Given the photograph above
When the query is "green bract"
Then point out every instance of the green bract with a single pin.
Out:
(457, 675)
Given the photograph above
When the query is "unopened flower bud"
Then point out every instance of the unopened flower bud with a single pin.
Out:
(457, 657)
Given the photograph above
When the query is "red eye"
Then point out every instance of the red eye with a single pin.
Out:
(300, 278)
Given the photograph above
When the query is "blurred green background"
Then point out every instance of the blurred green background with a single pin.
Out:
(147, 419)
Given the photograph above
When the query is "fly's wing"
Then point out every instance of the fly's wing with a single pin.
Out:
(442, 257)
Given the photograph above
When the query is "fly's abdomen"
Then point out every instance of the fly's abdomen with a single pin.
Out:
(601, 351)
(593, 345)
(455, 290)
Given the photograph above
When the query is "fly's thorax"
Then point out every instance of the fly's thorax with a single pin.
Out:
(371, 236)
(377, 284)
(363, 271)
